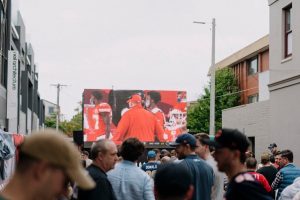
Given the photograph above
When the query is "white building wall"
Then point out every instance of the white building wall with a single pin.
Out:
(263, 82)
(285, 78)
(280, 67)
(22, 123)
(253, 120)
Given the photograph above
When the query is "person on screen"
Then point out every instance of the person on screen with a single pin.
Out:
(152, 98)
(102, 116)
(139, 123)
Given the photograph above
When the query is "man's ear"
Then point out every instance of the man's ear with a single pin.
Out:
(39, 169)
(190, 192)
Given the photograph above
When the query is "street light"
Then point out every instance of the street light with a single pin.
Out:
(212, 79)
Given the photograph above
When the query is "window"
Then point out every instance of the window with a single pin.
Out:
(51, 110)
(253, 98)
(252, 65)
(288, 37)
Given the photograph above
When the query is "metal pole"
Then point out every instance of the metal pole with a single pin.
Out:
(212, 80)
(57, 107)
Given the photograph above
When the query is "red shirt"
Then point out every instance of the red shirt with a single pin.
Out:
(139, 123)
(261, 179)
(95, 125)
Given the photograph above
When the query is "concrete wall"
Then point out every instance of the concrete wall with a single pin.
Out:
(285, 112)
(263, 82)
(285, 78)
(280, 67)
(22, 128)
(253, 120)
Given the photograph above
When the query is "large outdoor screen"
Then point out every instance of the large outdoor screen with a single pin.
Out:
(149, 115)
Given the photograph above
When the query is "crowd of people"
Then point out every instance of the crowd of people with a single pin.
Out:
(194, 167)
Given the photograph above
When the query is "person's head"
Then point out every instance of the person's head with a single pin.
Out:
(273, 148)
(278, 159)
(164, 153)
(96, 97)
(286, 157)
(152, 98)
(132, 149)
(185, 144)
(173, 182)
(47, 161)
(173, 153)
(202, 149)
(104, 154)
(251, 163)
(265, 158)
(134, 100)
(151, 155)
(85, 155)
(157, 152)
(231, 146)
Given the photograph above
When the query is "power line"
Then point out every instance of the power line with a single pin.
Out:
(229, 94)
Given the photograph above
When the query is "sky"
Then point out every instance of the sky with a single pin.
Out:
(134, 44)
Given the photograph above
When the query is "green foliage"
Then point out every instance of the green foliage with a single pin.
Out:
(75, 124)
(227, 96)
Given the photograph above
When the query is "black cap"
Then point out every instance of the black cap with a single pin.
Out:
(229, 138)
(172, 180)
(185, 138)
(271, 146)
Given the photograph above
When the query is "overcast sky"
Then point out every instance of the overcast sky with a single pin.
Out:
(134, 44)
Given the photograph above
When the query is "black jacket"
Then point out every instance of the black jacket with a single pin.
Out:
(103, 189)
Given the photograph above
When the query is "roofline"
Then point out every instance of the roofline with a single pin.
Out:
(258, 46)
(48, 101)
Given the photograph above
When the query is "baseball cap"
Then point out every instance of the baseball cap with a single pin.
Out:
(151, 154)
(271, 146)
(53, 147)
(229, 138)
(185, 138)
(135, 98)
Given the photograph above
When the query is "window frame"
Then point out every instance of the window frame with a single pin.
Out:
(252, 96)
(287, 13)
(249, 64)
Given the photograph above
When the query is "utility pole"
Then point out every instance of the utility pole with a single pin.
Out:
(212, 79)
(213, 83)
(58, 86)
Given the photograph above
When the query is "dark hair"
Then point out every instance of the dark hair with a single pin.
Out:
(97, 94)
(272, 159)
(85, 153)
(155, 96)
(172, 181)
(25, 162)
(201, 136)
(132, 149)
(251, 163)
(287, 154)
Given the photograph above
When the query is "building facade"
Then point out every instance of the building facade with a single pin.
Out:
(21, 108)
(4, 46)
(285, 74)
(277, 118)
(50, 108)
(251, 68)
